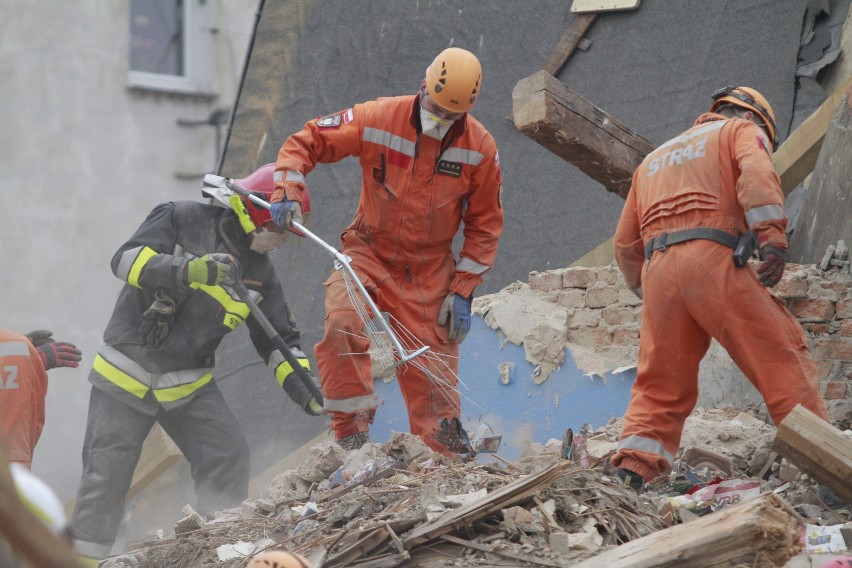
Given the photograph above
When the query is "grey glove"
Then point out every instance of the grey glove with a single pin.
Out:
(39, 337)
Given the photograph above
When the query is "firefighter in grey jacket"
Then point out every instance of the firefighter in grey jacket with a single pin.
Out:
(156, 362)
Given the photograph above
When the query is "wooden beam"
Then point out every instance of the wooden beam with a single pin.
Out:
(566, 46)
(577, 131)
(816, 448)
(797, 156)
(760, 532)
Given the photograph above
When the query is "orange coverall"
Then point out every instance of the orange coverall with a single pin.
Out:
(23, 387)
(416, 191)
(718, 174)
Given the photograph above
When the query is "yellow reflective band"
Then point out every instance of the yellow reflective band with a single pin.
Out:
(119, 377)
(181, 391)
(284, 370)
(219, 294)
(231, 321)
(136, 269)
(242, 213)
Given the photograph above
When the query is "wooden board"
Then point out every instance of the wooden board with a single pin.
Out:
(816, 448)
(760, 532)
(580, 6)
(797, 156)
(508, 495)
(577, 131)
(566, 46)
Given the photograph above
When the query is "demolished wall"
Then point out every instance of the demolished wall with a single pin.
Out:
(591, 313)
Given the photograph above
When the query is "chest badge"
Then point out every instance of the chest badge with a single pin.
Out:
(452, 169)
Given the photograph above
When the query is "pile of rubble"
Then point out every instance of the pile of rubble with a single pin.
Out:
(400, 504)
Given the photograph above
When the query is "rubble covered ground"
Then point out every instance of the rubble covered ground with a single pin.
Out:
(400, 504)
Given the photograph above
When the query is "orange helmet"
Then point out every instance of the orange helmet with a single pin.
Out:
(452, 80)
(279, 559)
(749, 99)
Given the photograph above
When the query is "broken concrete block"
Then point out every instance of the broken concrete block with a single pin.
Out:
(321, 461)
(560, 543)
(584, 541)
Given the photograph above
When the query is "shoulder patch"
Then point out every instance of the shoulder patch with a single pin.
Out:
(336, 119)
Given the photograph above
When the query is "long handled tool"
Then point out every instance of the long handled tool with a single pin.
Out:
(377, 321)
(303, 392)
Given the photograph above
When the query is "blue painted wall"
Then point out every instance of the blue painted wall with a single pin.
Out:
(521, 411)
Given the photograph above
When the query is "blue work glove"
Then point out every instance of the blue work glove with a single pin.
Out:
(284, 213)
(458, 309)
(772, 269)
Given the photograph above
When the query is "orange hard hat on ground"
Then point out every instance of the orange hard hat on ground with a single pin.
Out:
(453, 78)
(749, 99)
(279, 559)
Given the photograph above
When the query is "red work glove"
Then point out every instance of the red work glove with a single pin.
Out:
(770, 271)
(59, 354)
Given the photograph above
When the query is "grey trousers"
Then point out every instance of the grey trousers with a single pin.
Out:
(204, 429)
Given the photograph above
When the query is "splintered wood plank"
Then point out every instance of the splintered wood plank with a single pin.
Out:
(797, 156)
(577, 131)
(508, 495)
(817, 448)
(761, 532)
(566, 46)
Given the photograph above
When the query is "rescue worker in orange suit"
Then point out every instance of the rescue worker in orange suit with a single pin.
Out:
(690, 202)
(426, 165)
(156, 362)
(24, 362)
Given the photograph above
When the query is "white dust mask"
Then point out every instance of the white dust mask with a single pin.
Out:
(433, 125)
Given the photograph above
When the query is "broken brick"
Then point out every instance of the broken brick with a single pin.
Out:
(590, 337)
(791, 288)
(813, 310)
(571, 298)
(616, 315)
(834, 390)
(844, 309)
(839, 348)
(578, 277)
(846, 328)
(625, 336)
(817, 328)
(546, 281)
(601, 297)
(585, 317)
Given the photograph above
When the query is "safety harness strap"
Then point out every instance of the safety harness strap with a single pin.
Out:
(667, 239)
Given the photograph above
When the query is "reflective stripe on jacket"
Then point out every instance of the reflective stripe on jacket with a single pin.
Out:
(152, 261)
(718, 174)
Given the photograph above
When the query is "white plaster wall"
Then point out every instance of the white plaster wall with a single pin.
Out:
(82, 161)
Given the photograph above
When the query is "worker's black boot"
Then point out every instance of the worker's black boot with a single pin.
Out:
(354, 441)
(631, 478)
